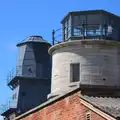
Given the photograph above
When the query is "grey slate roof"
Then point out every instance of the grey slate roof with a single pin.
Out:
(110, 105)
(34, 38)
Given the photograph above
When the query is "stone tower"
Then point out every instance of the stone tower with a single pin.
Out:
(89, 55)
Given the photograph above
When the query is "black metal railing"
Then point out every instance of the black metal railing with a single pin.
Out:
(56, 36)
(85, 31)
(12, 74)
(18, 72)
(9, 104)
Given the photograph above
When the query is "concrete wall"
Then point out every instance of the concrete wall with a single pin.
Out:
(99, 64)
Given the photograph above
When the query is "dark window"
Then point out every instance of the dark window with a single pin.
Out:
(14, 96)
(74, 72)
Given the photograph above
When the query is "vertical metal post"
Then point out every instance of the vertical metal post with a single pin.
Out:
(63, 32)
(83, 25)
(8, 104)
(53, 37)
(105, 31)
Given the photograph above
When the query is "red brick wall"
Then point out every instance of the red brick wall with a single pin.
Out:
(68, 108)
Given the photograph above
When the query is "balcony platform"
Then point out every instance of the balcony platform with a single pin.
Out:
(15, 80)
(9, 111)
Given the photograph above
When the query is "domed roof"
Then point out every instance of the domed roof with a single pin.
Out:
(34, 38)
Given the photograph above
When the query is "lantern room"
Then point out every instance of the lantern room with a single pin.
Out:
(92, 24)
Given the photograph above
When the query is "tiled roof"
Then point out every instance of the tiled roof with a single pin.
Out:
(110, 105)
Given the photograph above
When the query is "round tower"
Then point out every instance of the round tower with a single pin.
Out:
(87, 56)
(85, 63)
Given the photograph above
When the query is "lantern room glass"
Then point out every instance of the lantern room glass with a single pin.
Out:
(91, 26)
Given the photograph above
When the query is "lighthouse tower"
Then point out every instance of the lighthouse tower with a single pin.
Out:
(88, 57)
(30, 82)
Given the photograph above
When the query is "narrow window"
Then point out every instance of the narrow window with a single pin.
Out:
(14, 96)
(88, 116)
(74, 72)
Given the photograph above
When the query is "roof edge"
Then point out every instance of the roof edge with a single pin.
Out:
(83, 42)
(85, 11)
(19, 44)
(96, 109)
(51, 101)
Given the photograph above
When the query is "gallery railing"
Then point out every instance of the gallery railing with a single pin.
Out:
(85, 31)
(12, 74)
(9, 104)
(18, 72)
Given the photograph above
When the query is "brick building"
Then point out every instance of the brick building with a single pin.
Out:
(85, 81)
(75, 106)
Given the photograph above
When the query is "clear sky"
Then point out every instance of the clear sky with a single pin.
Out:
(21, 18)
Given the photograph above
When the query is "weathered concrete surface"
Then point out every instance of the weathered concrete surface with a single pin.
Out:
(99, 64)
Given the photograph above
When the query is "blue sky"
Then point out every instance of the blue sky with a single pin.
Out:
(21, 18)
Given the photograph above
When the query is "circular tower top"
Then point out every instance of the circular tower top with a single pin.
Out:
(33, 38)
(85, 64)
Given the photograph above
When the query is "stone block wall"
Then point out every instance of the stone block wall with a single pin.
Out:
(98, 63)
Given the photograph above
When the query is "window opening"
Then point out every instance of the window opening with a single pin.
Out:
(75, 72)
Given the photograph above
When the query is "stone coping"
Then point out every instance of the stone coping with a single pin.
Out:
(83, 42)
(71, 86)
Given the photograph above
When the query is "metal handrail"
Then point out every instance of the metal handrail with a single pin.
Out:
(17, 73)
(14, 72)
(10, 75)
(8, 105)
(56, 34)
